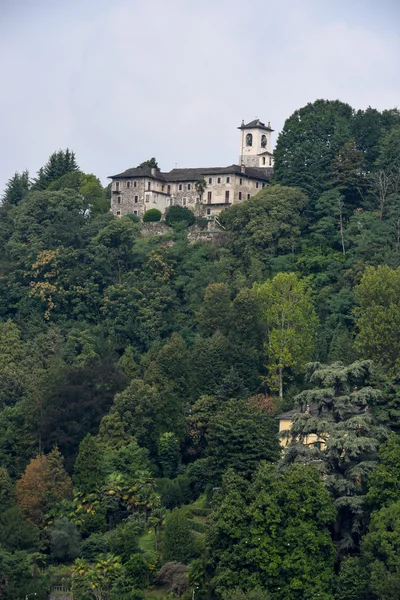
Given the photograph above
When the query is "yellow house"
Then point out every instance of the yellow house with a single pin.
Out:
(285, 423)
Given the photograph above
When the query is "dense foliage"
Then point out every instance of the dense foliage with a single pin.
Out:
(141, 379)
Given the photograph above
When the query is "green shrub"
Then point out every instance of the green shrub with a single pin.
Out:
(134, 218)
(179, 214)
(152, 216)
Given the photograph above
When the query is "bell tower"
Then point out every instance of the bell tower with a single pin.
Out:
(255, 144)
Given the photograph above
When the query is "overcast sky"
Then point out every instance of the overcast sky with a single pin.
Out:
(120, 81)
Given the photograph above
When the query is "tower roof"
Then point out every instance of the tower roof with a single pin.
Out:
(256, 124)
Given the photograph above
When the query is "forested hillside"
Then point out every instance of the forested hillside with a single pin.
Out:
(141, 379)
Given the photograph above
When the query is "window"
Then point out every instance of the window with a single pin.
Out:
(210, 180)
(209, 211)
(147, 197)
(270, 160)
(219, 180)
(117, 186)
(263, 160)
(162, 187)
(227, 196)
(240, 195)
(263, 185)
(128, 184)
(118, 213)
(240, 181)
(184, 201)
(136, 199)
(135, 184)
(257, 184)
(148, 185)
(249, 139)
(135, 212)
(263, 141)
(189, 186)
(169, 189)
(228, 180)
(119, 199)
(209, 196)
(180, 187)
(248, 196)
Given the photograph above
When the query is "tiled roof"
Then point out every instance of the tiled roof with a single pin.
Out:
(263, 174)
(256, 124)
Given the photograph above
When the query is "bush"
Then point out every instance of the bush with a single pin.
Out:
(152, 216)
(174, 575)
(179, 214)
(135, 218)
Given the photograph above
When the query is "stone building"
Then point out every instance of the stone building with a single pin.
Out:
(205, 191)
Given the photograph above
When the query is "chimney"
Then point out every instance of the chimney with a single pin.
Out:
(153, 171)
(269, 124)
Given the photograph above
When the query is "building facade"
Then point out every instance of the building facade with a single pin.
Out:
(205, 191)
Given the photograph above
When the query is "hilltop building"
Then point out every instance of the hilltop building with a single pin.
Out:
(139, 189)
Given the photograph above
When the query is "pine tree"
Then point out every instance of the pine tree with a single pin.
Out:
(338, 412)
(59, 163)
(16, 188)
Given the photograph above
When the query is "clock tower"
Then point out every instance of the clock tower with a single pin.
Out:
(256, 145)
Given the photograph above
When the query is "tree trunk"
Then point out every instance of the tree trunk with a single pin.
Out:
(341, 225)
(280, 375)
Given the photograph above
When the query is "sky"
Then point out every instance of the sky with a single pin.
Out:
(120, 81)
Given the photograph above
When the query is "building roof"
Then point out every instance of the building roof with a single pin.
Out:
(263, 174)
(289, 414)
(256, 124)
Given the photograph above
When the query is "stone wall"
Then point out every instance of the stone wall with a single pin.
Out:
(195, 234)
(158, 228)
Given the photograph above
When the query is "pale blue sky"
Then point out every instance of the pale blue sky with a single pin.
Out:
(119, 81)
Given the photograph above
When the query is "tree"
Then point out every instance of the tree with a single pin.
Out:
(16, 188)
(291, 325)
(88, 470)
(179, 214)
(43, 484)
(349, 172)
(384, 480)
(252, 594)
(269, 223)
(152, 163)
(112, 434)
(96, 578)
(352, 582)
(152, 215)
(178, 542)
(148, 412)
(308, 143)
(200, 187)
(64, 540)
(339, 413)
(378, 317)
(328, 230)
(380, 550)
(168, 454)
(214, 314)
(273, 534)
(58, 164)
(239, 436)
